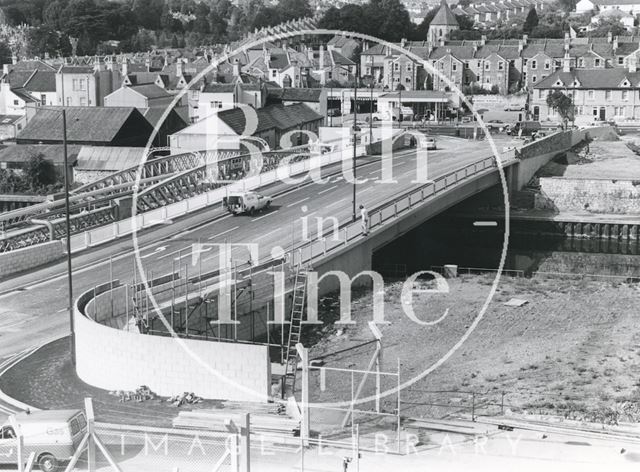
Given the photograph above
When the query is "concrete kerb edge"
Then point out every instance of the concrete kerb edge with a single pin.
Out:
(14, 363)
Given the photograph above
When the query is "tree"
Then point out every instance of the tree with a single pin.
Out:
(421, 31)
(5, 53)
(561, 103)
(608, 25)
(39, 172)
(531, 21)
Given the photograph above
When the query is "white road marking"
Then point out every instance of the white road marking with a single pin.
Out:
(298, 202)
(224, 232)
(268, 234)
(264, 216)
(334, 204)
(327, 189)
(485, 223)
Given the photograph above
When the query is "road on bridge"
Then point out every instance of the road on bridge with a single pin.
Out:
(33, 307)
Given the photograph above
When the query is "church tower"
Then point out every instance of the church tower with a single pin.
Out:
(442, 24)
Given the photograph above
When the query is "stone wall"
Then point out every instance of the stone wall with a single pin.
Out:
(30, 257)
(593, 195)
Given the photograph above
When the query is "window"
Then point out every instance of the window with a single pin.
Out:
(83, 101)
(590, 94)
(581, 62)
(607, 95)
(487, 66)
(68, 101)
(597, 62)
(539, 93)
(486, 80)
(454, 67)
(16, 102)
(500, 65)
(216, 104)
(547, 65)
(8, 433)
(396, 66)
(580, 110)
(78, 85)
(524, 62)
(534, 64)
(274, 73)
(43, 99)
(466, 65)
(625, 95)
(479, 64)
(620, 60)
(409, 67)
(534, 79)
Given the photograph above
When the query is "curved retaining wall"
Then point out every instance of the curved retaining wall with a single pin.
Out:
(113, 359)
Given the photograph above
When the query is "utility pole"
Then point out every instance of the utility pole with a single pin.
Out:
(355, 117)
(68, 230)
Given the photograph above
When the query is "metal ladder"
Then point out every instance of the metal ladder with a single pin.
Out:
(295, 327)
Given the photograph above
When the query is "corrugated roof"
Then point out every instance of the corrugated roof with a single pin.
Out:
(52, 152)
(291, 94)
(76, 70)
(592, 78)
(109, 158)
(97, 124)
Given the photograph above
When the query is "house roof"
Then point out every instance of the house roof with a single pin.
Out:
(8, 119)
(219, 88)
(340, 59)
(76, 70)
(21, 153)
(24, 95)
(150, 91)
(444, 16)
(291, 94)
(591, 78)
(273, 116)
(41, 81)
(614, 2)
(91, 124)
(154, 115)
(109, 158)
(31, 65)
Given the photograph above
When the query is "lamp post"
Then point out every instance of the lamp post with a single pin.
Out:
(68, 231)
(355, 128)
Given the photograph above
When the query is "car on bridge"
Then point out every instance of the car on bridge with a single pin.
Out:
(246, 202)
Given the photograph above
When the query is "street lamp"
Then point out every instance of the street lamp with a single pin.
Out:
(68, 231)
(355, 130)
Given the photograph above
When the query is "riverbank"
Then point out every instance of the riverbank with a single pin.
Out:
(572, 350)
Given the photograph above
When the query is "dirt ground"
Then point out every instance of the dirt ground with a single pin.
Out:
(573, 350)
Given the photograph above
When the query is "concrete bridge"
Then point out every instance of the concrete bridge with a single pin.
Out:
(185, 281)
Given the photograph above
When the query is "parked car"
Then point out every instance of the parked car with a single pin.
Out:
(53, 435)
(246, 202)
(514, 107)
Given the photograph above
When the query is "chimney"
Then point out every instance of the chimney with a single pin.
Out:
(567, 41)
(615, 43)
(483, 39)
(609, 37)
(633, 63)
(520, 46)
(441, 42)
(147, 62)
(236, 69)
(321, 57)
(14, 59)
(179, 67)
(125, 67)
(403, 42)
(475, 46)
(97, 67)
(566, 62)
(5, 69)
(525, 38)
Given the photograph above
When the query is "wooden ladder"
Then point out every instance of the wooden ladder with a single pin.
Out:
(295, 327)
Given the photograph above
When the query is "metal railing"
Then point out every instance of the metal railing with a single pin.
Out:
(391, 210)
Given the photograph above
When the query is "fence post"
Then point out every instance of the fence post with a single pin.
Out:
(91, 446)
(473, 406)
(304, 423)
(502, 404)
(19, 441)
(245, 444)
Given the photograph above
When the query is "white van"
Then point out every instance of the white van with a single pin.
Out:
(53, 435)
(246, 202)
